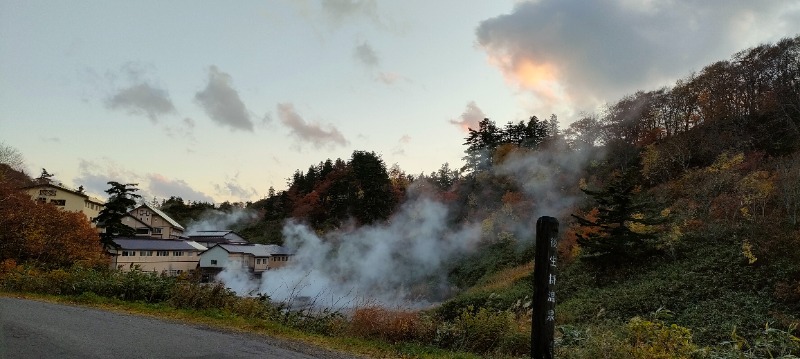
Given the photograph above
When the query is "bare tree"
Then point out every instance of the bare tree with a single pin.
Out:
(12, 157)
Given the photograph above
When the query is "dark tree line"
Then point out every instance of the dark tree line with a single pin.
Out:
(331, 194)
(483, 141)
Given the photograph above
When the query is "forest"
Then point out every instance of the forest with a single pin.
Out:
(678, 210)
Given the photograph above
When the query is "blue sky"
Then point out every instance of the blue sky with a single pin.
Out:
(219, 101)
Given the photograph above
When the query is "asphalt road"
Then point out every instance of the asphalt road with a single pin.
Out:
(32, 329)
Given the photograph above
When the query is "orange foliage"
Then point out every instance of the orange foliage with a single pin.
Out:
(512, 197)
(43, 233)
(568, 246)
(308, 206)
(391, 325)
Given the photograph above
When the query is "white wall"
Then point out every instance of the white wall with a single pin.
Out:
(214, 253)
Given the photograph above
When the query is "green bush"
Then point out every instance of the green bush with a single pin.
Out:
(656, 340)
(202, 296)
(480, 331)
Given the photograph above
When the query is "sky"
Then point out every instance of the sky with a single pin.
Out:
(218, 101)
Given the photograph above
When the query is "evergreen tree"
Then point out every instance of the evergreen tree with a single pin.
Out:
(624, 223)
(372, 197)
(480, 146)
(45, 177)
(121, 199)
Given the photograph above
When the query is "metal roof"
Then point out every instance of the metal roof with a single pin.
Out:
(162, 214)
(258, 250)
(209, 233)
(157, 244)
(138, 220)
(216, 240)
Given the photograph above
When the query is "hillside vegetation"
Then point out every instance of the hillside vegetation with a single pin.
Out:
(679, 224)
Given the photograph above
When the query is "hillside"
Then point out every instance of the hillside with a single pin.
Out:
(680, 200)
(679, 227)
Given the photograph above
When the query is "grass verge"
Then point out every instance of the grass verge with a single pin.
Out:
(223, 320)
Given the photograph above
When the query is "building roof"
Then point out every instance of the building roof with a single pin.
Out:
(70, 190)
(217, 237)
(157, 244)
(138, 220)
(210, 233)
(162, 214)
(258, 250)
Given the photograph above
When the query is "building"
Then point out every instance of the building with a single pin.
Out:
(212, 238)
(65, 198)
(151, 222)
(165, 256)
(253, 258)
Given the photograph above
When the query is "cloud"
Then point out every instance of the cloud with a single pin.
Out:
(142, 99)
(183, 130)
(389, 78)
(366, 55)
(139, 96)
(340, 11)
(95, 175)
(161, 186)
(222, 103)
(399, 149)
(309, 132)
(471, 117)
(578, 54)
(232, 188)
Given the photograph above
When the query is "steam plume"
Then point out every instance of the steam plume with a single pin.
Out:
(402, 262)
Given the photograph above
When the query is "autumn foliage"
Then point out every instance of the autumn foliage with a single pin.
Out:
(44, 234)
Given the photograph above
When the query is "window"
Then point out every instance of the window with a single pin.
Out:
(177, 253)
(213, 262)
(146, 253)
(156, 230)
(58, 202)
(47, 192)
(162, 253)
(142, 231)
(41, 200)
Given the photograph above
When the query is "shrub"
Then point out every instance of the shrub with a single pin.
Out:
(391, 325)
(769, 343)
(592, 343)
(480, 331)
(203, 296)
(656, 340)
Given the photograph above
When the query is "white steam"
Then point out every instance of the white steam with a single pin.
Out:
(390, 264)
(549, 177)
(215, 220)
(396, 263)
(402, 262)
(236, 277)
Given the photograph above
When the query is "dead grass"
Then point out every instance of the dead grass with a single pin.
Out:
(391, 325)
(503, 279)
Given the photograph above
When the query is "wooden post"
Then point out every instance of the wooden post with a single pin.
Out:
(544, 295)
